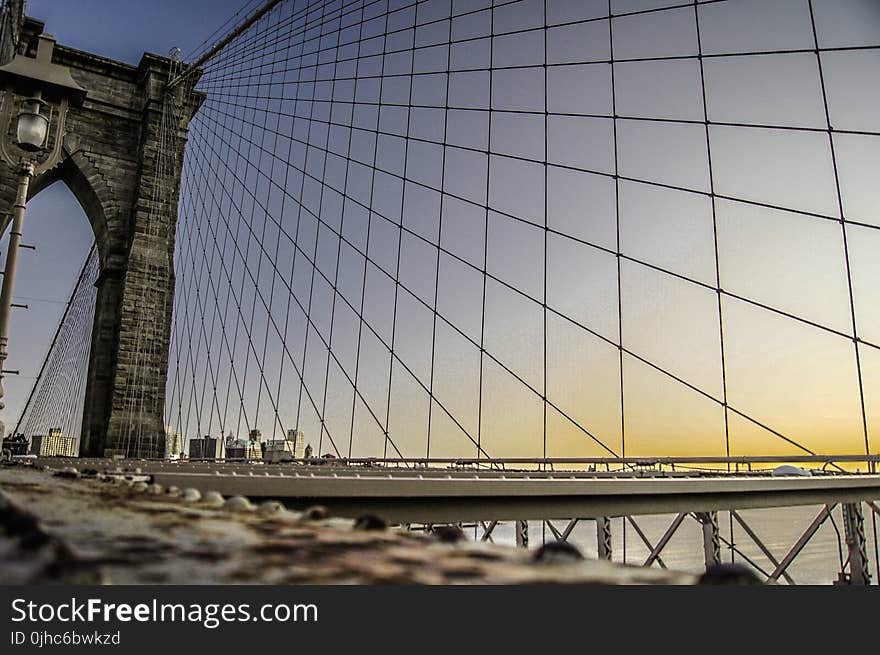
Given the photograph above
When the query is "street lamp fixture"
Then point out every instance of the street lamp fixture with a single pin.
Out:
(42, 92)
(33, 127)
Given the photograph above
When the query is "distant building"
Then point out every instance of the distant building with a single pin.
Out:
(173, 442)
(206, 448)
(299, 442)
(53, 445)
(255, 435)
(15, 445)
(241, 449)
(278, 450)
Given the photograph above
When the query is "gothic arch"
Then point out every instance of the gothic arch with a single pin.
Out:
(90, 189)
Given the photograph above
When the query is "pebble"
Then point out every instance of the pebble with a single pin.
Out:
(729, 574)
(191, 495)
(370, 522)
(448, 534)
(69, 472)
(139, 486)
(238, 504)
(316, 513)
(557, 552)
(270, 507)
(214, 498)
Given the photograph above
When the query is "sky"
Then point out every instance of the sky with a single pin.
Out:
(583, 254)
(125, 29)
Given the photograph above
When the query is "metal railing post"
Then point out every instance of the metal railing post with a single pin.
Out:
(711, 541)
(854, 529)
(603, 537)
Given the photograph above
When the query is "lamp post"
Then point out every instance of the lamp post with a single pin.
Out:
(37, 86)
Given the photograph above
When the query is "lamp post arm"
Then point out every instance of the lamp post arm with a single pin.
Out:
(24, 179)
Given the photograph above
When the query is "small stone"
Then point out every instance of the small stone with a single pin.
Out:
(155, 489)
(173, 491)
(370, 522)
(238, 504)
(558, 552)
(214, 498)
(139, 486)
(270, 507)
(316, 513)
(729, 574)
(191, 495)
(448, 534)
(69, 472)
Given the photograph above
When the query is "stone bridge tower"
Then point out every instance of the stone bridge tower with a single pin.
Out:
(116, 163)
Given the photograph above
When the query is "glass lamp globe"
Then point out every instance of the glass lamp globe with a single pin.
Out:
(32, 129)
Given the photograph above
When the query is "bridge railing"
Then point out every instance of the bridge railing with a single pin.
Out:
(737, 464)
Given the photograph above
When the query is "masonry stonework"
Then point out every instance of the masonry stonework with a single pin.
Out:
(116, 163)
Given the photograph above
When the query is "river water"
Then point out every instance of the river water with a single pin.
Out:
(818, 563)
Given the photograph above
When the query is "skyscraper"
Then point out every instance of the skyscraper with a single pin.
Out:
(173, 442)
(299, 442)
(207, 448)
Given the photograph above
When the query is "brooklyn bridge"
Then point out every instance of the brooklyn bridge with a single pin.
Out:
(480, 260)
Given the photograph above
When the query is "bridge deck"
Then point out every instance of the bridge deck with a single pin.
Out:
(90, 532)
(433, 496)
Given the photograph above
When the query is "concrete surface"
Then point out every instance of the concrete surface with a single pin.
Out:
(83, 527)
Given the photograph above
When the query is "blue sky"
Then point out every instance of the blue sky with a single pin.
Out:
(124, 29)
